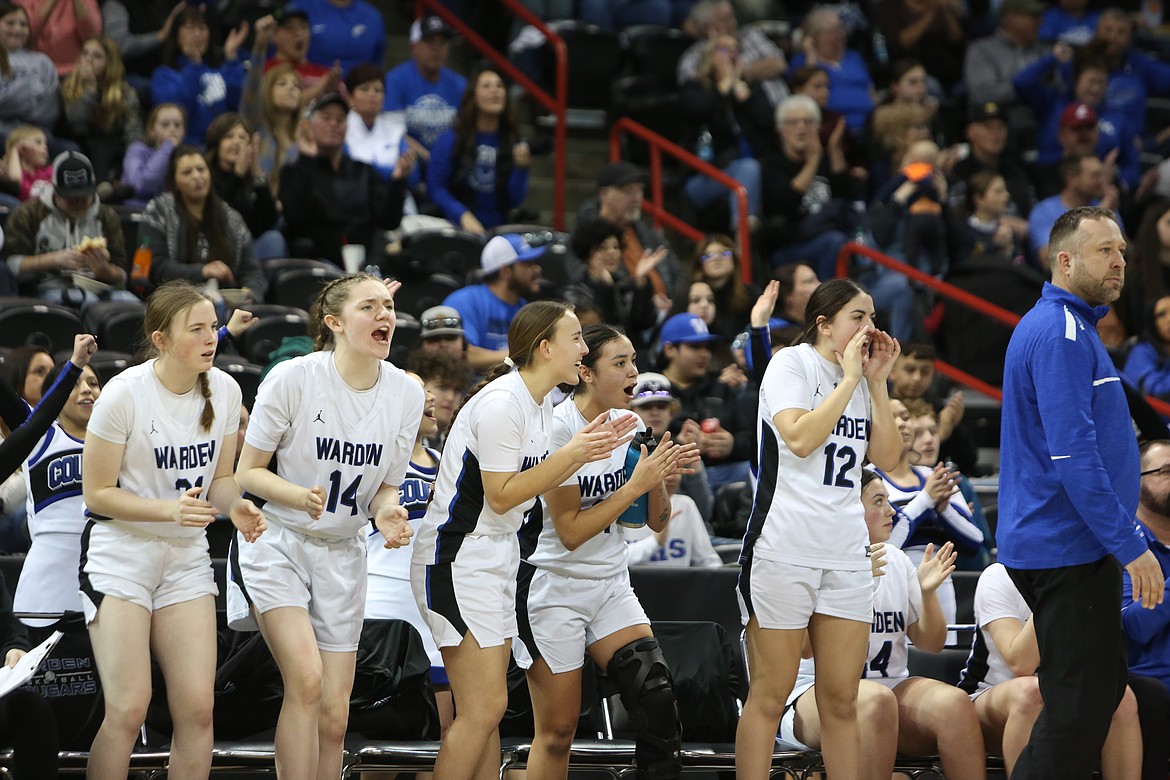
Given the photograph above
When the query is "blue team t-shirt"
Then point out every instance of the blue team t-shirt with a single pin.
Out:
(485, 317)
(347, 35)
(429, 107)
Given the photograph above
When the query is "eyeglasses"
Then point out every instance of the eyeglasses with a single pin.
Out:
(1161, 471)
(799, 120)
(715, 256)
(442, 322)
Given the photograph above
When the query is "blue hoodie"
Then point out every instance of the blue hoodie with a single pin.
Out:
(1068, 489)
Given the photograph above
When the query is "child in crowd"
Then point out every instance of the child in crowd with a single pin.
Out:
(26, 161)
(145, 166)
(683, 542)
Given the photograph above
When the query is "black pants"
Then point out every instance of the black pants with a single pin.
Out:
(1077, 614)
(1153, 703)
(26, 723)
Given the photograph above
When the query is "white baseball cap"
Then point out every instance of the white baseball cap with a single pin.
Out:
(506, 249)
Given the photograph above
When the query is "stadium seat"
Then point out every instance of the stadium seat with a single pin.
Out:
(276, 323)
(117, 325)
(107, 364)
(646, 100)
(654, 51)
(246, 374)
(419, 295)
(595, 60)
(22, 318)
(446, 250)
(298, 286)
(277, 264)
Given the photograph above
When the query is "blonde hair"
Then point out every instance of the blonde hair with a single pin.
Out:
(163, 308)
(111, 87)
(282, 128)
(21, 134)
(331, 300)
(891, 123)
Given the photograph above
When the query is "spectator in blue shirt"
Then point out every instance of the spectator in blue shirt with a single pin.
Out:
(1069, 494)
(1148, 363)
(193, 76)
(1056, 108)
(1069, 21)
(478, 170)
(1133, 76)
(510, 272)
(1148, 631)
(850, 85)
(345, 31)
(423, 87)
(1084, 185)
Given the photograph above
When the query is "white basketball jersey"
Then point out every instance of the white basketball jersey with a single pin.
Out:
(996, 597)
(502, 429)
(414, 493)
(56, 518)
(604, 555)
(807, 511)
(897, 603)
(167, 451)
(350, 442)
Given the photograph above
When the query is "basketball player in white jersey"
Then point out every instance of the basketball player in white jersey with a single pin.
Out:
(341, 422)
(56, 511)
(575, 597)
(388, 594)
(1001, 679)
(156, 469)
(824, 409)
(497, 460)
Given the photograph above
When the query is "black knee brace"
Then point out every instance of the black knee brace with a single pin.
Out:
(642, 678)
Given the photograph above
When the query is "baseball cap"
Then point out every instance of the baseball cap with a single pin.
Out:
(73, 175)
(329, 98)
(1078, 115)
(619, 174)
(428, 26)
(981, 112)
(651, 388)
(686, 328)
(506, 249)
(440, 321)
(287, 14)
(1030, 7)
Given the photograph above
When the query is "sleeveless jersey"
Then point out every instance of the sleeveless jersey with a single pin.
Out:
(897, 603)
(350, 442)
(604, 555)
(167, 451)
(414, 494)
(502, 429)
(807, 511)
(56, 518)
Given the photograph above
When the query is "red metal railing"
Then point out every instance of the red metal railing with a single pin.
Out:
(557, 103)
(654, 205)
(949, 291)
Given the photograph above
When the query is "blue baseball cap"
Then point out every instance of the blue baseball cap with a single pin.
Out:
(686, 329)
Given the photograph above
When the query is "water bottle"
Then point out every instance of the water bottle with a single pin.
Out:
(637, 513)
(880, 52)
(140, 269)
(705, 149)
(859, 220)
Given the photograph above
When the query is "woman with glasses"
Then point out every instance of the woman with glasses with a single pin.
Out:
(716, 263)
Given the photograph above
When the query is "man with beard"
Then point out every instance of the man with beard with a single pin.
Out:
(1148, 631)
(510, 272)
(1069, 494)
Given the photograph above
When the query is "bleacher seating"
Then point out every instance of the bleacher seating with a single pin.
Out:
(117, 325)
(21, 318)
(276, 323)
(245, 373)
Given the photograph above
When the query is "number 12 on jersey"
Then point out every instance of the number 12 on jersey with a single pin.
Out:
(834, 476)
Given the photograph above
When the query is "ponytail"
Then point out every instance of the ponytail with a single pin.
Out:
(493, 373)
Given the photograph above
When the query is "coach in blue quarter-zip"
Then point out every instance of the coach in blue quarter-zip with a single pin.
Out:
(1069, 495)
